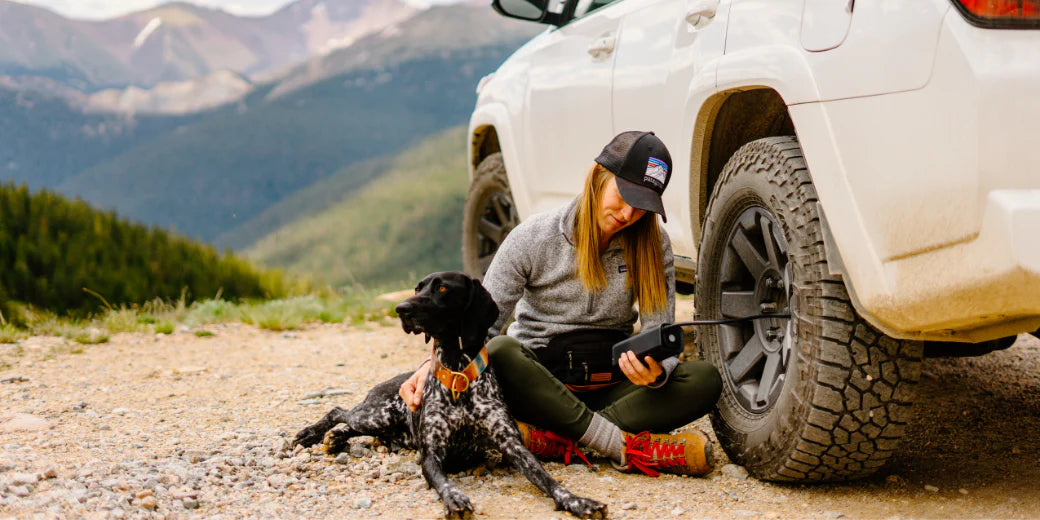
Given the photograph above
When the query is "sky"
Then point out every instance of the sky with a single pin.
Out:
(101, 9)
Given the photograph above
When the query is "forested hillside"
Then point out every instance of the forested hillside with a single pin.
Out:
(391, 232)
(51, 249)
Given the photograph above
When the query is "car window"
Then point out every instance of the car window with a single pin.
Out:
(585, 7)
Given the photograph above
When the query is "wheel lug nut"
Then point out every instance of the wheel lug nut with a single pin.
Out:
(774, 334)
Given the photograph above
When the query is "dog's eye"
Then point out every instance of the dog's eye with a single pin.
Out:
(442, 289)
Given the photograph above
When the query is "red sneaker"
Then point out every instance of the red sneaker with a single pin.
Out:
(547, 445)
(681, 454)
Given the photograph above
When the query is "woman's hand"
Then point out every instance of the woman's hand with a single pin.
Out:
(411, 390)
(639, 373)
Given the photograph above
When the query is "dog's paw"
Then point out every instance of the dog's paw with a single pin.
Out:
(336, 440)
(583, 507)
(457, 505)
(308, 437)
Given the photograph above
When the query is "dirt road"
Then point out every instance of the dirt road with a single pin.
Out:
(181, 426)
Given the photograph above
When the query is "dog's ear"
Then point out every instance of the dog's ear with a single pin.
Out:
(479, 315)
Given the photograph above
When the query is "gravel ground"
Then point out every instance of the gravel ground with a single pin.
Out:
(179, 426)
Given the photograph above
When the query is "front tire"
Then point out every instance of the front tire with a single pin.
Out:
(488, 215)
(821, 396)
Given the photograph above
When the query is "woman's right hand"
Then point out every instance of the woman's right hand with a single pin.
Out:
(411, 390)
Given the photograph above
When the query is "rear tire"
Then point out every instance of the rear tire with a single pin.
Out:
(822, 396)
(488, 215)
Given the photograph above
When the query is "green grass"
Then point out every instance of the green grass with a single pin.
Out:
(90, 337)
(357, 307)
(10, 334)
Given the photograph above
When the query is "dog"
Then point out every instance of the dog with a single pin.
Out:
(461, 418)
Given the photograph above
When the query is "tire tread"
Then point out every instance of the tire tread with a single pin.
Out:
(856, 384)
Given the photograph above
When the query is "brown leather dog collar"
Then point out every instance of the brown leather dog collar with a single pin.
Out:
(459, 382)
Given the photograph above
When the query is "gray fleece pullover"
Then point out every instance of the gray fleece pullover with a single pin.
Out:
(533, 274)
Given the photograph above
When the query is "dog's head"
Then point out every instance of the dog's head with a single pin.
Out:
(447, 306)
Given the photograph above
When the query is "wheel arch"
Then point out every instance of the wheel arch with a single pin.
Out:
(483, 142)
(490, 132)
(727, 121)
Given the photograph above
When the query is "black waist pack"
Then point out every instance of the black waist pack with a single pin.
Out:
(581, 359)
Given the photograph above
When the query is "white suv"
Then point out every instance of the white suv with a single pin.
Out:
(867, 167)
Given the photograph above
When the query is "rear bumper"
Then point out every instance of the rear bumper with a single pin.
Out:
(934, 204)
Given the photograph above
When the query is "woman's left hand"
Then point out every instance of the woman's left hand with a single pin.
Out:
(639, 373)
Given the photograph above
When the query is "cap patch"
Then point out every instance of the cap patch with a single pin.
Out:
(656, 172)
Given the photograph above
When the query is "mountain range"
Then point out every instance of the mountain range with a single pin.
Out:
(180, 41)
(232, 172)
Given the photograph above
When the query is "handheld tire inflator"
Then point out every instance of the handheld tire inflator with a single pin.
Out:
(664, 341)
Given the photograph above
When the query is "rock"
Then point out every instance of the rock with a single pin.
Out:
(189, 503)
(410, 468)
(145, 493)
(833, 514)
(892, 479)
(308, 402)
(149, 502)
(183, 493)
(50, 472)
(23, 479)
(282, 446)
(962, 491)
(22, 422)
(196, 456)
(358, 451)
(929, 487)
(678, 511)
(629, 506)
(735, 471)
(363, 503)
(19, 491)
(342, 458)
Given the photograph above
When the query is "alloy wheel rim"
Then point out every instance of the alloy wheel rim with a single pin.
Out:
(497, 218)
(755, 278)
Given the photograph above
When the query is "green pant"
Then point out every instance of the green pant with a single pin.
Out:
(534, 396)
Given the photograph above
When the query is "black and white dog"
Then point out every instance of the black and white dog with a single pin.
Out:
(462, 415)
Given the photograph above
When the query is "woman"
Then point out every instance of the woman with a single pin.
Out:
(572, 276)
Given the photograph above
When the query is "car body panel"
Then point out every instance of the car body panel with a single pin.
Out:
(928, 214)
(662, 55)
(566, 117)
(825, 23)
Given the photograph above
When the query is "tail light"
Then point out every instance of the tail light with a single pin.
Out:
(1009, 14)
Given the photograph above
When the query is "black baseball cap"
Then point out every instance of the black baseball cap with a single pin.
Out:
(642, 165)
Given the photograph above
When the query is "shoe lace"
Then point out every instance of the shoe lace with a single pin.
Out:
(550, 445)
(647, 454)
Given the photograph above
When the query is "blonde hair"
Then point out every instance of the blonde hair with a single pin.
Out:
(641, 243)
